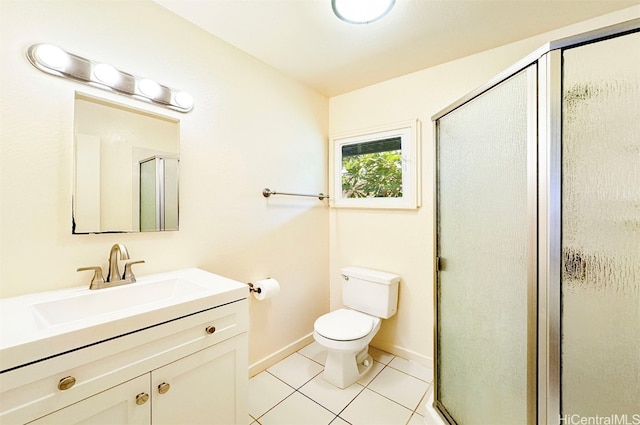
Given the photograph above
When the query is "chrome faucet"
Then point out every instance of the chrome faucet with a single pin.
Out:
(113, 277)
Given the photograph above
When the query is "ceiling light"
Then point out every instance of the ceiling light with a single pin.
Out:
(361, 11)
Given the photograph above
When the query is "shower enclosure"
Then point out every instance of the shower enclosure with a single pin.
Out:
(538, 239)
(158, 193)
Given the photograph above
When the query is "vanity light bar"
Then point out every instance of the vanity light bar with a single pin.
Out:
(56, 61)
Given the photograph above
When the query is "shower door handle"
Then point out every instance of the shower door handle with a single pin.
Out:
(440, 264)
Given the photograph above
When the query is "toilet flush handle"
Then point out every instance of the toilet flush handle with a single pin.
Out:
(345, 277)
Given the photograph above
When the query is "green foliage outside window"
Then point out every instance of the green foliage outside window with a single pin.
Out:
(372, 175)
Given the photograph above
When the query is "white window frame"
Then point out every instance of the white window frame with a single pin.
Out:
(409, 132)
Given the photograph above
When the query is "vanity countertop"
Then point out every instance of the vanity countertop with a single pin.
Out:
(45, 324)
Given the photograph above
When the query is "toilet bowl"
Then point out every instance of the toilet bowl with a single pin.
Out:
(346, 333)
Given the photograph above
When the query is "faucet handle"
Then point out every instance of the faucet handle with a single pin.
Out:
(128, 273)
(97, 281)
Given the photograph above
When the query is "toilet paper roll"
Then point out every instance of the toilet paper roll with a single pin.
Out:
(266, 288)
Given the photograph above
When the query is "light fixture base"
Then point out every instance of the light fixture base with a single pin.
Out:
(56, 61)
(361, 11)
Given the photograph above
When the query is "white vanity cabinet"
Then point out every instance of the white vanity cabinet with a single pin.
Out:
(188, 370)
(113, 406)
(200, 389)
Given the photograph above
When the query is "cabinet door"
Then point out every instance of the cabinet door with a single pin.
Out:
(208, 387)
(113, 406)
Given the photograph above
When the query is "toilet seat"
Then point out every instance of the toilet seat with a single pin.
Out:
(344, 325)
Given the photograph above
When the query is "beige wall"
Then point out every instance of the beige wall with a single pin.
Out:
(402, 242)
(251, 128)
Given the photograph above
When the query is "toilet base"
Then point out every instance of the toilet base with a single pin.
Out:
(344, 368)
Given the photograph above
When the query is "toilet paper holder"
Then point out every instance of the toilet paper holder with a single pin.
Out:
(264, 288)
(252, 289)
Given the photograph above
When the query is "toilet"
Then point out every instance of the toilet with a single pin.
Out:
(371, 296)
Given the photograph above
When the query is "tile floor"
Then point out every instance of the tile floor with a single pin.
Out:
(292, 392)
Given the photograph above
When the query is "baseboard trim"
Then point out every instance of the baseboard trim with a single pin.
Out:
(405, 353)
(274, 358)
(286, 351)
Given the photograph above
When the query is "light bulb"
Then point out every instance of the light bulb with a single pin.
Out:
(52, 57)
(106, 74)
(183, 100)
(149, 88)
(361, 11)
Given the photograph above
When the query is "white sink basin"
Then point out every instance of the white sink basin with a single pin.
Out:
(37, 326)
(89, 304)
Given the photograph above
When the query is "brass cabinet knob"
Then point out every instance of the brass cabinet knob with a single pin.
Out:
(163, 388)
(142, 398)
(210, 330)
(66, 383)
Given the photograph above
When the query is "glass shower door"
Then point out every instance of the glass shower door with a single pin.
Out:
(158, 194)
(600, 276)
(486, 248)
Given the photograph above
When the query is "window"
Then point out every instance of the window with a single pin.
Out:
(376, 168)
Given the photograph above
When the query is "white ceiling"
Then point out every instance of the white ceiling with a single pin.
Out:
(303, 39)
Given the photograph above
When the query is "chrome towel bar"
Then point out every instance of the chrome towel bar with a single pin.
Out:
(266, 192)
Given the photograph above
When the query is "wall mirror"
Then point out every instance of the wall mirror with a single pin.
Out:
(125, 168)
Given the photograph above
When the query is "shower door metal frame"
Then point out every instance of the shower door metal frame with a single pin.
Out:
(160, 170)
(550, 213)
(549, 241)
(544, 173)
(159, 187)
(529, 67)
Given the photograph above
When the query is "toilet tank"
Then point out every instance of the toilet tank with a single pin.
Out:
(370, 291)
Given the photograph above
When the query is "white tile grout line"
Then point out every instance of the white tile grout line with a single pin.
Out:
(408, 374)
(371, 389)
(385, 365)
(296, 390)
(307, 357)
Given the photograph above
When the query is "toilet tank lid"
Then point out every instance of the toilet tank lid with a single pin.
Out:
(370, 275)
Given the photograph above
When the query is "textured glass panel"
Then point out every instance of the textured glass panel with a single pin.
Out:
(148, 199)
(483, 245)
(171, 194)
(601, 230)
